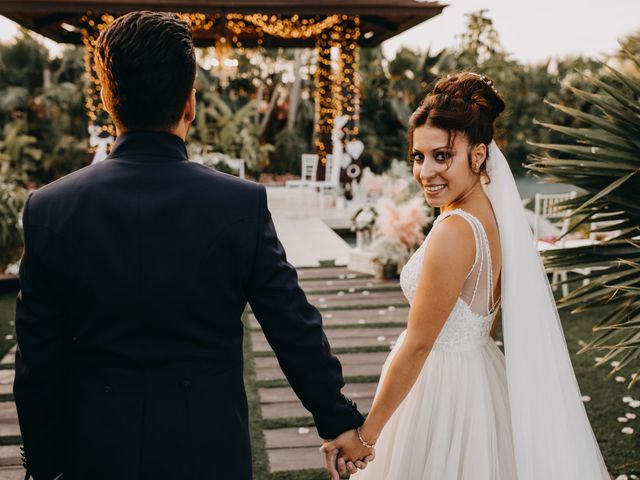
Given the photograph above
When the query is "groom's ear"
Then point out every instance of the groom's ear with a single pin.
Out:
(190, 107)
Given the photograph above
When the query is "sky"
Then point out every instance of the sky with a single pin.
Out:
(531, 30)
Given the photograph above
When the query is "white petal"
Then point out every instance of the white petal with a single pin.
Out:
(630, 416)
(623, 419)
(586, 398)
(303, 430)
(620, 379)
(627, 430)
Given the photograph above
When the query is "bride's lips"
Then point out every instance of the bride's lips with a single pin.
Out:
(433, 194)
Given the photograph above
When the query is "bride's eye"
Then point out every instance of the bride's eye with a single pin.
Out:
(417, 157)
(442, 156)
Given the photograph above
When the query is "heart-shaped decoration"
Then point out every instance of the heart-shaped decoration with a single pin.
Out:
(355, 148)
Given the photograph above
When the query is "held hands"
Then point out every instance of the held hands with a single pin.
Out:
(346, 453)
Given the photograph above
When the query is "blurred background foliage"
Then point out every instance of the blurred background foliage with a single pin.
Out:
(264, 110)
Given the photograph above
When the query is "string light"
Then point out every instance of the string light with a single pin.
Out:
(336, 93)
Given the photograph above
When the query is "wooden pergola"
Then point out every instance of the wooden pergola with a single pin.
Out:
(321, 24)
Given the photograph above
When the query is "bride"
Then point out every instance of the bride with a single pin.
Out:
(449, 405)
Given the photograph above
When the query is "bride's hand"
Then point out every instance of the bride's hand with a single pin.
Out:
(352, 453)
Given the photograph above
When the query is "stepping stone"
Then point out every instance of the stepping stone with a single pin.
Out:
(15, 473)
(8, 420)
(333, 318)
(342, 338)
(291, 437)
(284, 459)
(6, 381)
(282, 402)
(10, 456)
(10, 357)
(333, 300)
(296, 410)
(329, 273)
(354, 391)
(353, 364)
(345, 285)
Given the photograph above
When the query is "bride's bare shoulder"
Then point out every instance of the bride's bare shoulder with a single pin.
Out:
(451, 245)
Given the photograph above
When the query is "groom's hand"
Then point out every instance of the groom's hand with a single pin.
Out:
(346, 453)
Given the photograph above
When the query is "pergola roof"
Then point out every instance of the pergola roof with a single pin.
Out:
(379, 19)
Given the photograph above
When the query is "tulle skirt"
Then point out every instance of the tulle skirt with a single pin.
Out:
(453, 425)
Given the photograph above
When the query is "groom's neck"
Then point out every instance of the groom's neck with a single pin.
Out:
(179, 131)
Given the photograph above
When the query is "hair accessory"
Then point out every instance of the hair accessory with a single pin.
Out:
(485, 80)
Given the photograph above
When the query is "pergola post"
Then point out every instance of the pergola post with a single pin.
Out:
(349, 88)
(326, 104)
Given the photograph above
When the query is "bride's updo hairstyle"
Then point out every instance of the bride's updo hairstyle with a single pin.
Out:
(466, 103)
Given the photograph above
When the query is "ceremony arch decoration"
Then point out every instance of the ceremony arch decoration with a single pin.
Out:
(323, 25)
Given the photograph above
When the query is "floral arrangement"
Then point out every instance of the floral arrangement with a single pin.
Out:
(364, 218)
(389, 250)
(406, 221)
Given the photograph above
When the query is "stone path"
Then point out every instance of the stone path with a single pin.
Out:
(362, 318)
(10, 463)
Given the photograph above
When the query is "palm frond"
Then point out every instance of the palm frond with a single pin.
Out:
(602, 156)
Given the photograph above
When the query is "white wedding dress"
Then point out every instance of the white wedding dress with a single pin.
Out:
(455, 422)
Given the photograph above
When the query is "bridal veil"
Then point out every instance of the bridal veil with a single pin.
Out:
(552, 436)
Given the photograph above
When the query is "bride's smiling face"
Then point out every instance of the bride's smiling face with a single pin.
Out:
(447, 170)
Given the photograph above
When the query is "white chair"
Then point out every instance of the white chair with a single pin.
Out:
(332, 178)
(546, 208)
(599, 237)
(308, 167)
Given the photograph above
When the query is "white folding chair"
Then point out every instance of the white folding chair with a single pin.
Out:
(308, 168)
(546, 208)
(332, 178)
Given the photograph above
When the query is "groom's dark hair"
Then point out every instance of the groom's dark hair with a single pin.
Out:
(146, 65)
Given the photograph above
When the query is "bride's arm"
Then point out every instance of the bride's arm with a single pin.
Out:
(448, 257)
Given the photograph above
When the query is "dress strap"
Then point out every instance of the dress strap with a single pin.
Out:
(481, 239)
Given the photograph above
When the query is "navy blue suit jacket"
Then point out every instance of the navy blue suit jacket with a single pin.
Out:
(134, 278)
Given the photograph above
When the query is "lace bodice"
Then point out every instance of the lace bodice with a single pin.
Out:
(470, 320)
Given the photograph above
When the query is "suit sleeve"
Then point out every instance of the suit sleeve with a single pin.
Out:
(293, 328)
(40, 365)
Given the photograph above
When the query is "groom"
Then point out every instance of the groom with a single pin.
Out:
(135, 274)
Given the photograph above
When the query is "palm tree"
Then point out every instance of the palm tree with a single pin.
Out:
(602, 156)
